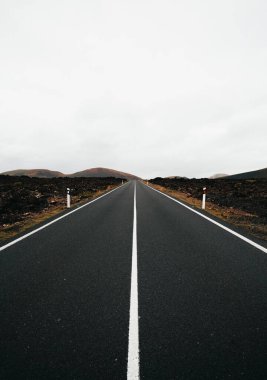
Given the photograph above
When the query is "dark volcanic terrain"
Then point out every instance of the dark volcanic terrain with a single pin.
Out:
(242, 202)
(23, 199)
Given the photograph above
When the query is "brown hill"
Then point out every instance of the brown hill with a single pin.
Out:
(41, 173)
(103, 172)
(219, 175)
(94, 172)
(262, 173)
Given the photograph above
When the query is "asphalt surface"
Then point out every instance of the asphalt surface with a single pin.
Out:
(65, 296)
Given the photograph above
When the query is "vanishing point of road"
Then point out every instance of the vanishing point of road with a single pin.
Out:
(133, 286)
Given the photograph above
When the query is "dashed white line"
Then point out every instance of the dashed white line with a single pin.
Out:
(133, 372)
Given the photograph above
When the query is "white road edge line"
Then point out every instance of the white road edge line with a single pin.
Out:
(55, 220)
(133, 347)
(251, 242)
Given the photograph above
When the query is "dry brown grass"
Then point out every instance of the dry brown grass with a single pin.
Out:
(231, 215)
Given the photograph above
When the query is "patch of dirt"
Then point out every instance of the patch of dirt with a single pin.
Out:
(25, 201)
(242, 203)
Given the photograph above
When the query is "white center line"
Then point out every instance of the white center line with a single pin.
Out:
(133, 347)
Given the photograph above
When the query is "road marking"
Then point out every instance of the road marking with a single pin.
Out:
(133, 347)
(251, 242)
(54, 221)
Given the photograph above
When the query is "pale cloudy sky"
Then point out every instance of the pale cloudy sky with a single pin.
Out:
(152, 87)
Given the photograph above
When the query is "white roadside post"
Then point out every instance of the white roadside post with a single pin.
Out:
(122, 182)
(204, 198)
(68, 198)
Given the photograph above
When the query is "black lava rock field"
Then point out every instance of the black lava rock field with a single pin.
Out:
(21, 196)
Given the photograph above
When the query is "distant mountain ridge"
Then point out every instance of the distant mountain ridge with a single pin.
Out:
(41, 173)
(218, 175)
(103, 172)
(262, 173)
(93, 172)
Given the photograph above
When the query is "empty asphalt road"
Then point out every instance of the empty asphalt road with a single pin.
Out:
(133, 286)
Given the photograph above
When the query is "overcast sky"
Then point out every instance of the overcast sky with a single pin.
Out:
(151, 87)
